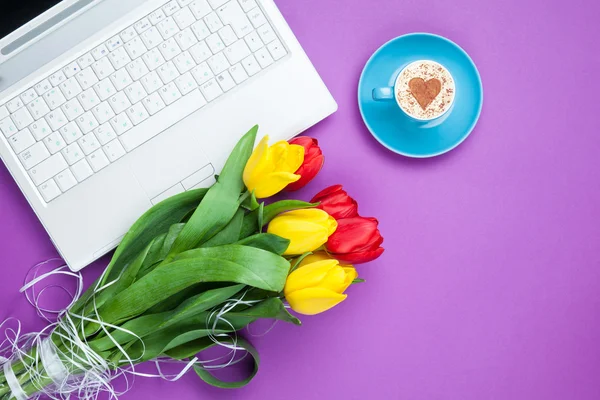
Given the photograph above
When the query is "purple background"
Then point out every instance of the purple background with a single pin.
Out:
(490, 284)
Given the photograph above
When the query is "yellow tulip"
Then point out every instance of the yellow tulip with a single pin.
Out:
(315, 287)
(271, 168)
(307, 230)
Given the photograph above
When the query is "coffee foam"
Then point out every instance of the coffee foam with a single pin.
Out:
(417, 98)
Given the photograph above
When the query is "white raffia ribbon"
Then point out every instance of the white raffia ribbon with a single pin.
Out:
(13, 383)
(52, 363)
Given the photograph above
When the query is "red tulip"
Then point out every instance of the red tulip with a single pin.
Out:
(336, 202)
(356, 240)
(313, 162)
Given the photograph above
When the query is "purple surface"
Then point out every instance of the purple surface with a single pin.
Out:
(490, 285)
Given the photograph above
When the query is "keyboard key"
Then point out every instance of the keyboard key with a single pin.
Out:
(43, 87)
(89, 143)
(142, 25)
(114, 150)
(38, 108)
(135, 92)
(70, 88)
(54, 98)
(153, 59)
(200, 52)
(200, 8)
(121, 123)
(232, 14)
(218, 63)
(213, 22)
(86, 78)
(266, 33)
(184, 18)
(183, 3)
(257, 17)
(88, 99)
(238, 73)
(184, 62)
(225, 81)
(65, 180)
(73, 153)
(171, 7)
(105, 89)
(264, 57)
(215, 43)
(14, 104)
(151, 82)
(54, 143)
(28, 96)
(57, 78)
(119, 58)
(137, 113)
(48, 168)
(254, 41)
(119, 102)
(71, 69)
(168, 72)
(169, 93)
(7, 126)
(135, 48)
(21, 140)
(22, 118)
(105, 134)
(87, 122)
(151, 38)
(49, 190)
(85, 60)
(237, 52)
(34, 155)
(137, 69)
(113, 44)
(186, 83)
(277, 50)
(3, 112)
(99, 52)
(128, 34)
(248, 5)
(169, 49)
(40, 129)
(153, 103)
(56, 119)
(251, 65)
(200, 30)
(202, 73)
(211, 90)
(98, 160)
(168, 28)
(121, 79)
(227, 35)
(103, 68)
(70, 132)
(147, 130)
(103, 112)
(186, 39)
(81, 170)
(157, 16)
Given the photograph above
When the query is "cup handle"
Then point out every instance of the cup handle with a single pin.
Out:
(383, 94)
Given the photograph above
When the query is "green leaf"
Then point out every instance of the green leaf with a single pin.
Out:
(207, 377)
(267, 241)
(229, 234)
(230, 263)
(251, 223)
(221, 201)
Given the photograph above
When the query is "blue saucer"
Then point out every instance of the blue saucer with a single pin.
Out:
(390, 126)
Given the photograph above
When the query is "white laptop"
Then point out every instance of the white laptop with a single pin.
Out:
(109, 106)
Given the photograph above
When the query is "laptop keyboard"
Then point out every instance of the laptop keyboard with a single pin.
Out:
(141, 81)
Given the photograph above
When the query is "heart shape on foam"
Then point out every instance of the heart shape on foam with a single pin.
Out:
(424, 91)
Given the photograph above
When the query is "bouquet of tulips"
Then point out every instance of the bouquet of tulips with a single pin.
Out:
(199, 267)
